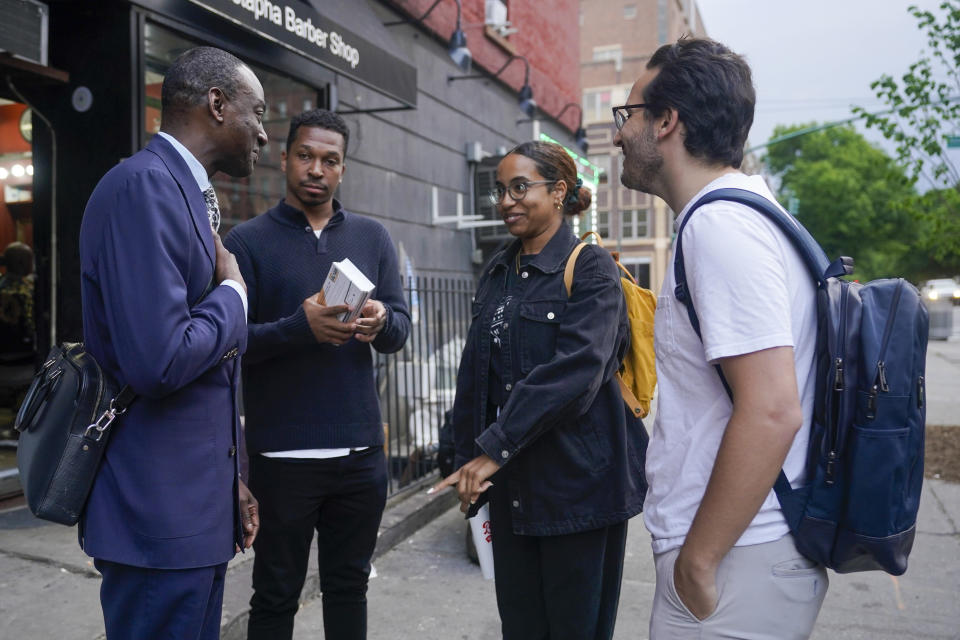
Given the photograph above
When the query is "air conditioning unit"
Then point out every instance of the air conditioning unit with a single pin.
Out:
(23, 29)
(496, 12)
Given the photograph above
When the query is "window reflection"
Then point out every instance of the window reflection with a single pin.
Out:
(240, 198)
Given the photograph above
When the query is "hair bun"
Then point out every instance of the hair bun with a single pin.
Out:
(582, 202)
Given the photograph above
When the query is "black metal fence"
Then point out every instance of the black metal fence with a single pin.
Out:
(418, 383)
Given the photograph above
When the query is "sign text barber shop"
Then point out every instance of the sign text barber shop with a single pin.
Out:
(282, 22)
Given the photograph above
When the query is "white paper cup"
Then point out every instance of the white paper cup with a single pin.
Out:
(483, 540)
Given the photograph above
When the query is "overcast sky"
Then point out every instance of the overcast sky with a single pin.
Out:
(812, 59)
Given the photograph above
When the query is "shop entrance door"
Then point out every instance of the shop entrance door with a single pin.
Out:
(18, 341)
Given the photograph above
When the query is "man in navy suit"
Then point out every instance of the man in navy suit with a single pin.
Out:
(164, 310)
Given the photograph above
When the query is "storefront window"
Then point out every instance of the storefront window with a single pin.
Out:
(17, 315)
(240, 198)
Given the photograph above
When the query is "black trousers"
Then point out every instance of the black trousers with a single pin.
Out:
(342, 499)
(564, 587)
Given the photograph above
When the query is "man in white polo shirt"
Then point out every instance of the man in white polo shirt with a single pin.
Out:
(726, 563)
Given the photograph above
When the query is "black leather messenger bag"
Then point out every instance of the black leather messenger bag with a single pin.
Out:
(64, 424)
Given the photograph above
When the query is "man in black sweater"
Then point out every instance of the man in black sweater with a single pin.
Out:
(313, 427)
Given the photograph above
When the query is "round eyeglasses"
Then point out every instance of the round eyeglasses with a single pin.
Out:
(517, 190)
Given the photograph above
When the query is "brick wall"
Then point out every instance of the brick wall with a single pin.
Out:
(548, 36)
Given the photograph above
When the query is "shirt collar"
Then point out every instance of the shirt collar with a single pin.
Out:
(196, 169)
(292, 216)
(552, 258)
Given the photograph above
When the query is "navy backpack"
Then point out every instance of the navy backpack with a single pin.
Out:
(858, 510)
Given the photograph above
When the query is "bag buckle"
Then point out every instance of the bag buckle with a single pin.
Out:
(95, 430)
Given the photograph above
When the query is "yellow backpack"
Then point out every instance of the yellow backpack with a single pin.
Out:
(638, 372)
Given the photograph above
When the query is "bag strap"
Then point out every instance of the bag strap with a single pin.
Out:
(625, 391)
(812, 254)
(615, 254)
(571, 263)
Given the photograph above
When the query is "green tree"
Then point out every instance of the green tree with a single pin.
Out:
(923, 111)
(851, 196)
(924, 104)
(937, 214)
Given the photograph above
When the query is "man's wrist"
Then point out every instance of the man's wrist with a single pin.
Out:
(698, 560)
(241, 291)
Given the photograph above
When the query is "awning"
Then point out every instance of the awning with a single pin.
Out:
(17, 68)
(338, 34)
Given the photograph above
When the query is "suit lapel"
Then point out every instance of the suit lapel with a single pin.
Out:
(191, 192)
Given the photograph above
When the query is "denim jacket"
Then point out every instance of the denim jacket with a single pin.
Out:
(572, 452)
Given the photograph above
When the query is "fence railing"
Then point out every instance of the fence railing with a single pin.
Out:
(417, 384)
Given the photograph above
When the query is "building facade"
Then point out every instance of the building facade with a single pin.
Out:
(617, 39)
(417, 137)
(423, 134)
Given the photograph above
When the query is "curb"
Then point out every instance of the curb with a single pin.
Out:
(403, 516)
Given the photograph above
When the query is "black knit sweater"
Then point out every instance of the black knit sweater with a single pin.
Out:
(298, 393)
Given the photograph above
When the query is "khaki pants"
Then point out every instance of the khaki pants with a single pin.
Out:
(765, 591)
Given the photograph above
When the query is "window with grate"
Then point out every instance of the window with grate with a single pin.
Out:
(486, 178)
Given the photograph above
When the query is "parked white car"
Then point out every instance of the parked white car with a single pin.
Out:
(941, 289)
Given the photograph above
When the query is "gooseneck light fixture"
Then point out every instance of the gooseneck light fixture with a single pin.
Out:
(456, 47)
(525, 97)
(581, 133)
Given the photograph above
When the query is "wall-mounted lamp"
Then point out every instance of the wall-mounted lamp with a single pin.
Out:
(525, 97)
(581, 133)
(456, 47)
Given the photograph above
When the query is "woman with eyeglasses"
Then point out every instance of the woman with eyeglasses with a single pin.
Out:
(541, 429)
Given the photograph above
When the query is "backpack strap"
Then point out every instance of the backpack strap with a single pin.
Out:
(631, 400)
(571, 263)
(811, 253)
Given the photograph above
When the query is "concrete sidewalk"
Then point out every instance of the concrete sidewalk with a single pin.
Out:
(49, 589)
(427, 588)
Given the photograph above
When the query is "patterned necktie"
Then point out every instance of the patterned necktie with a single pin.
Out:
(213, 207)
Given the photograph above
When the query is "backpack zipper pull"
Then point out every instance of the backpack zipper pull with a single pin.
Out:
(831, 461)
(920, 393)
(872, 403)
(882, 376)
(838, 376)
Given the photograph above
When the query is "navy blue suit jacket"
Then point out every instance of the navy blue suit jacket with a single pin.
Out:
(166, 494)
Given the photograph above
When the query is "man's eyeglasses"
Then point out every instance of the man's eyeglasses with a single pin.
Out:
(517, 190)
(622, 114)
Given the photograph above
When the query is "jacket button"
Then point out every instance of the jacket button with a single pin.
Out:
(516, 504)
(504, 454)
(550, 315)
(232, 452)
(506, 325)
(524, 275)
(508, 386)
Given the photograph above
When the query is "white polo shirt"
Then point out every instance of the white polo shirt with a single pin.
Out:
(752, 291)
